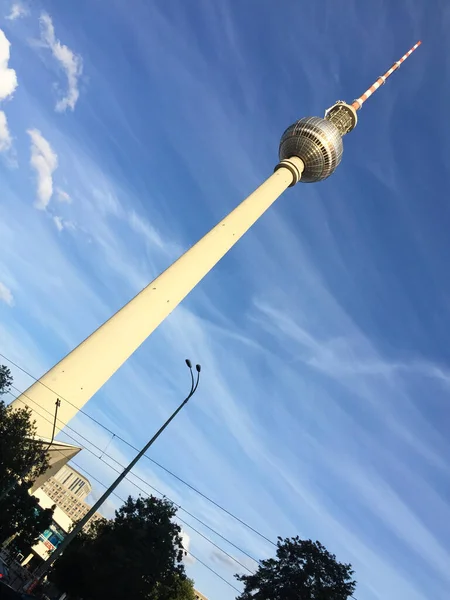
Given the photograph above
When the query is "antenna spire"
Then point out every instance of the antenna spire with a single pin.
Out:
(382, 80)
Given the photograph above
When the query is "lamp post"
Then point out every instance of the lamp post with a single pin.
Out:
(42, 570)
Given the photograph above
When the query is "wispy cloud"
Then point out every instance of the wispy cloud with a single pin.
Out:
(61, 223)
(231, 565)
(44, 161)
(18, 11)
(70, 62)
(58, 222)
(142, 227)
(5, 136)
(62, 196)
(6, 295)
(8, 84)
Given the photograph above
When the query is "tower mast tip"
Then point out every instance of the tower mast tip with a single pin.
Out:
(382, 79)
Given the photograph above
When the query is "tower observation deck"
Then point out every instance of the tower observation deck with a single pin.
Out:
(318, 142)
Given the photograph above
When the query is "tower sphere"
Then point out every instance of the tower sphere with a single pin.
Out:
(317, 142)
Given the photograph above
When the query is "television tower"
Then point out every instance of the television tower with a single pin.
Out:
(310, 150)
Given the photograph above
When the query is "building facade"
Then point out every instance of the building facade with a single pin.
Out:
(73, 481)
(68, 490)
(199, 596)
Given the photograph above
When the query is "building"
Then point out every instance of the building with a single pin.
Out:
(52, 537)
(68, 489)
(70, 479)
(199, 596)
(58, 454)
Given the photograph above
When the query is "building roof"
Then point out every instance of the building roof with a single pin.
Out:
(59, 453)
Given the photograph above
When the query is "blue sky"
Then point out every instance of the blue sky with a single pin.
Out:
(322, 409)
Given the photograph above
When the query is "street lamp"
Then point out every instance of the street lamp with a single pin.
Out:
(42, 570)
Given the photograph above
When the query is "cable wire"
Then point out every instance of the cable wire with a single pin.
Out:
(152, 488)
(215, 572)
(134, 475)
(160, 493)
(179, 518)
(185, 550)
(117, 436)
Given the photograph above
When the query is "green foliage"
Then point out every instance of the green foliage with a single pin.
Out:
(183, 589)
(20, 452)
(304, 570)
(21, 460)
(137, 555)
(5, 379)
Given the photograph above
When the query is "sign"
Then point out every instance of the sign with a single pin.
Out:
(52, 537)
(49, 545)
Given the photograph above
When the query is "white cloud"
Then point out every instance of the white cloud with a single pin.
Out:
(63, 196)
(61, 223)
(44, 161)
(5, 136)
(186, 541)
(58, 223)
(18, 11)
(141, 226)
(8, 84)
(227, 562)
(8, 78)
(70, 62)
(6, 295)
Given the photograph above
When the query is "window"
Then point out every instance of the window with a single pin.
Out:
(67, 478)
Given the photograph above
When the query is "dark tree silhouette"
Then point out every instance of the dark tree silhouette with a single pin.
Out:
(302, 570)
(21, 516)
(5, 379)
(137, 555)
(20, 451)
(21, 461)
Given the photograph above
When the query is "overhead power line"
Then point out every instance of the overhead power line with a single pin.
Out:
(127, 443)
(188, 551)
(152, 488)
(157, 491)
(94, 478)
(233, 558)
(215, 572)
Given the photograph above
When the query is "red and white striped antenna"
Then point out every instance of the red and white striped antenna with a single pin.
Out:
(382, 80)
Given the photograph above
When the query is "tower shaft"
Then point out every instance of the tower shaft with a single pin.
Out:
(82, 372)
(310, 149)
(382, 79)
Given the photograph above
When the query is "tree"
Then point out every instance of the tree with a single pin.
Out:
(21, 453)
(21, 516)
(22, 460)
(302, 570)
(182, 589)
(137, 555)
(5, 379)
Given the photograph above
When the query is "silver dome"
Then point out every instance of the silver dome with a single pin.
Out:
(317, 142)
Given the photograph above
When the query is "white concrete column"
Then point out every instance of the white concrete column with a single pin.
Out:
(83, 371)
